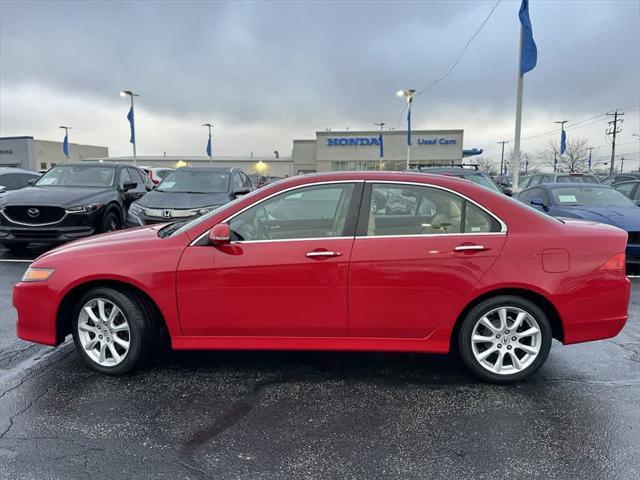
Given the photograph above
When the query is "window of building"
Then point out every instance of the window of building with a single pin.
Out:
(43, 165)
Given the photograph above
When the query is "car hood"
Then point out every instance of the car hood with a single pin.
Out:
(156, 199)
(626, 218)
(112, 241)
(58, 196)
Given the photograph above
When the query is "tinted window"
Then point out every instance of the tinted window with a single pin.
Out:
(237, 182)
(125, 176)
(636, 196)
(194, 181)
(625, 188)
(535, 180)
(483, 181)
(163, 173)
(245, 180)
(8, 181)
(311, 212)
(590, 196)
(416, 210)
(544, 179)
(577, 178)
(529, 195)
(23, 179)
(78, 176)
(523, 183)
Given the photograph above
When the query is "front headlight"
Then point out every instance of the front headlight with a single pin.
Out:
(135, 209)
(205, 210)
(37, 274)
(84, 208)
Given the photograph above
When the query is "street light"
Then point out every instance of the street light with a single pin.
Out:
(65, 143)
(209, 152)
(381, 125)
(408, 94)
(130, 117)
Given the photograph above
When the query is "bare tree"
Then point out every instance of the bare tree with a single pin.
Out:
(524, 157)
(575, 159)
(487, 165)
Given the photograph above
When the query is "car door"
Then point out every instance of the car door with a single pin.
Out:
(284, 274)
(418, 252)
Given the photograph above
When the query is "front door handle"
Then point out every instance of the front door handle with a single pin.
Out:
(464, 248)
(322, 254)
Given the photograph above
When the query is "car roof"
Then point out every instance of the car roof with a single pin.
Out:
(4, 170)
(570, 184)
(208, 169)
(457, 170)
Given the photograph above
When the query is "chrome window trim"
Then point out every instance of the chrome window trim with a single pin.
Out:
(33, 224)
(503, 225)
(232, 216)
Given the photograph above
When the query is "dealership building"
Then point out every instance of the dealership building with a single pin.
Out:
(349, 150)
(331, 150)
(29, 153)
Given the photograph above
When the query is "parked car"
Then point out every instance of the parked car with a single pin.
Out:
(156, 174)
(472, 174)
(462, 268)
(15, 179)
(621, 177)
(630, 189)
(189, 192)
(598, 203)
(70, 201)
(262, 180)
(539, 178)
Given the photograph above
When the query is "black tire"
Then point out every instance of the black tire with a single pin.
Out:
(142, 330)
(16, 247)
(110, 222)
(475, 314)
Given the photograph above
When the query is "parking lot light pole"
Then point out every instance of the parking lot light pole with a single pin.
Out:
(408, 94)
(131, 94)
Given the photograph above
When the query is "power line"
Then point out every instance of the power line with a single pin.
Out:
(459, 57)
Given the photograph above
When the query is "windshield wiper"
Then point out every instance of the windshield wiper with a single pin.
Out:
(171, 228)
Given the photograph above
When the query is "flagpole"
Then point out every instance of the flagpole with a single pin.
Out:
(516, 140)
(135, 157)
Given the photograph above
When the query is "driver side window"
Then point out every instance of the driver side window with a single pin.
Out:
(318, 211)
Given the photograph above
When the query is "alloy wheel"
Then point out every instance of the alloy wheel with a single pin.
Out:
(506, 340)
(103, 332)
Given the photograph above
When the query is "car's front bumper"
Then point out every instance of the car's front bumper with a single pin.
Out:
(36, 304)
(70, 227)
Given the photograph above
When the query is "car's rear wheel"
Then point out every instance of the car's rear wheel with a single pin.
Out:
(110, 221)
(505, 339)
(112, 331)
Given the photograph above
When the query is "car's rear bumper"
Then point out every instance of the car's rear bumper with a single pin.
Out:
(36, 304)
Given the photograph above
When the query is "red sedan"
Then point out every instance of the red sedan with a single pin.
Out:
(381, 261)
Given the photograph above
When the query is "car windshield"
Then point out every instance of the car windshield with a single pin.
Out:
(589, 197)
(483, 181)
(577, 178)
(194, 181)
(78, 176)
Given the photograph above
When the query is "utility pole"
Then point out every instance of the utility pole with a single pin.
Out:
(621, 164)
(502, 156)
(590, 150)
(613, 129)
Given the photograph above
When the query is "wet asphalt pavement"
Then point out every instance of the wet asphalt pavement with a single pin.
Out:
(282, 415)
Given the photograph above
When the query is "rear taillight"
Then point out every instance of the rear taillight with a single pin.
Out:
(617, 262)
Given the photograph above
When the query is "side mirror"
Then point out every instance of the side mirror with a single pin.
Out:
(31, 181)
(242, 191)
(220, 234)
(507, 191)
(538, 202)
(126, 186)
(2, 188)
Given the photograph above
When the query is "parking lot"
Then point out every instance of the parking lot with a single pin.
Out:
(257, 415)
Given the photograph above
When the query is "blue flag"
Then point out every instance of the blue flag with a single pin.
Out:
(381, 146)
(529, 53)
(209, 146)
(563, 141)
(409, 127)
(65, 145)
(133, 131)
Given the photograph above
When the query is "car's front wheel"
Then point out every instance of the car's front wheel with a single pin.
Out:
(112, 331)
(505, 339)
(110, 222)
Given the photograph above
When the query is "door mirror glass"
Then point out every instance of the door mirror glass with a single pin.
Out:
(220, 234)
(538, 202)
(32, 181)
(2, 188)
(126, 186)
(507, 191)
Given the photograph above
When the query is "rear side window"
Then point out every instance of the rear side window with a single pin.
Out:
(415, 210)
(625, 188)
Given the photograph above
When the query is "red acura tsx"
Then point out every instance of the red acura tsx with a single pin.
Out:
(377, 261)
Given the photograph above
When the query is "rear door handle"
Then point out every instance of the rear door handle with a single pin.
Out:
(322, 254)
(464, 248)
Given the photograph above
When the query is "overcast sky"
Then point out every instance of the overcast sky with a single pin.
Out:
(265, 73)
